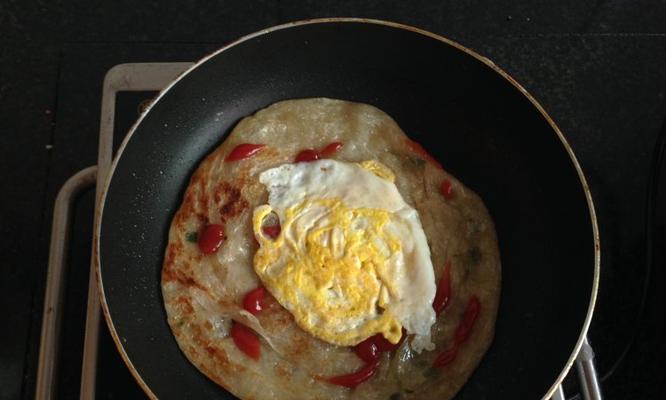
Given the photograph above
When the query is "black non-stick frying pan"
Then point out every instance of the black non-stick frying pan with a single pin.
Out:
(483, 127)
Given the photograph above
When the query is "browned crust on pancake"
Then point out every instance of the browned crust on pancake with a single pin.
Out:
(233, 204)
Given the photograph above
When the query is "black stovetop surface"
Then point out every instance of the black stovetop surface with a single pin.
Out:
(606, 90)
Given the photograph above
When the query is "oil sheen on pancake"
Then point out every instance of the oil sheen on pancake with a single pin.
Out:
(321, 252)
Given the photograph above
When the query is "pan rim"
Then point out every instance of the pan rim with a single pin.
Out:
(489, 63)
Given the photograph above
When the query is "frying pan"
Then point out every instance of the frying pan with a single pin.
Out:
(473, 117)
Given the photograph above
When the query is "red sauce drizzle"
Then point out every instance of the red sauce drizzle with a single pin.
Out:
(384, 345)
(331, 149)
(446, 357)
(469, 318)
(246, 340)
(211, 238)
(418, 149)
(253, 300)
(443, 290)
(308, 155)
(462, 333)
(355, 378)
(242, 151)
(447, 189)
(367, 350)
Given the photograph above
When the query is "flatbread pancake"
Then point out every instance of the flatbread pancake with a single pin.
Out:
(203, 293)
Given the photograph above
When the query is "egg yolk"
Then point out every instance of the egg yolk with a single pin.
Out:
(378, 169)
(329, 267)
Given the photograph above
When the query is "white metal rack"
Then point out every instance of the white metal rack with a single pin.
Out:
(131, 78)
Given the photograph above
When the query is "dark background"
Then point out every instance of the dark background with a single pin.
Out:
(598, 67)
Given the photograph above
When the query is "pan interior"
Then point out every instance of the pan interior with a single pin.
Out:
(482, 129)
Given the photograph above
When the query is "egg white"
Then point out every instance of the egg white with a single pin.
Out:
(309, 200)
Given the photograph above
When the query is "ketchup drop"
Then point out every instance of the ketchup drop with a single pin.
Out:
(443, 294)
(355, 378)
(370, 349)
(253, 300)
(211, 238)
(469, 318)
(331, 149)
(445, 357)
(246, 340)
(447, 189)
(418, 149)
(307, 156)
(367, 350)
(242, 151)
(463, 331)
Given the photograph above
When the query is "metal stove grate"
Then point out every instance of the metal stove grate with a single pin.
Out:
(137, 77)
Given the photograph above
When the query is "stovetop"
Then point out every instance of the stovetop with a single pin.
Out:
(607, 94)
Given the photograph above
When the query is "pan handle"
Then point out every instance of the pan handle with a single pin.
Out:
(587, 373)
(559, 394)
(51, 319)
(587, 377)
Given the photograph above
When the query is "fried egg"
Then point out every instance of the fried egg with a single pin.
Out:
(351, 259)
